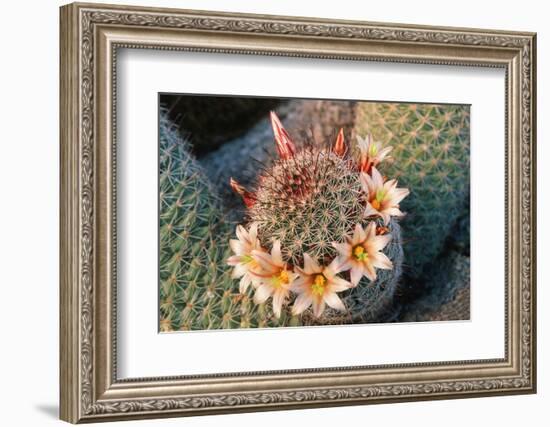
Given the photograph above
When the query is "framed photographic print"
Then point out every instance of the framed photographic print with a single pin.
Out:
(265, 212)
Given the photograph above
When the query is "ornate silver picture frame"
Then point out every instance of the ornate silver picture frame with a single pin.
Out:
(91, 35)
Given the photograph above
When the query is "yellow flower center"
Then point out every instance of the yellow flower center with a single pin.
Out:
(379, 197)
(318, 286)
(373, 149)
(281, 279)
(249, 261)
(360, 253)
(284, 277)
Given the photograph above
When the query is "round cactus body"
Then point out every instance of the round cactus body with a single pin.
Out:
(322, 232)
(307, 202)
(240, 157)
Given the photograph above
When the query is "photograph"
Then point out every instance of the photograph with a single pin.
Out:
(278, 209)
(291, 212)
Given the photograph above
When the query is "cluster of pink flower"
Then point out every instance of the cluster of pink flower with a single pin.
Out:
(360, 253)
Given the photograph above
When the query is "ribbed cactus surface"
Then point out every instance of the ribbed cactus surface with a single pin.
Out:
(196, 290)
(431, 155)
(308, 202)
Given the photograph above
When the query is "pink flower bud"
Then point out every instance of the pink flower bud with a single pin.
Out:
(248, 197)
(285, 146)
(339, 146)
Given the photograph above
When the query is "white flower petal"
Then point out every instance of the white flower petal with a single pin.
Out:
(343, 248)
(262, 293)
(334, 267)
(318, 306)
(339, 284)
(371, 231)
(234, 260)
(389, 186)
(276, 254)
(345, 262)
(369, 271)
(394, 212)
(370, 211)
(302, 302)
(237, 247)
(380, 260)
(278, 299)
(244, 283)
(359, 234)
(385, 216)
(377, 179)
(379, 242)
(264, 260)
(242, 235)
(253, 233)
(298, 285)
(310, 265)
(239, 270)
(292, 277)
(356, 274)
(383, 153)
(399, 194)
(334, 301)
(363, 143)
(366, 183)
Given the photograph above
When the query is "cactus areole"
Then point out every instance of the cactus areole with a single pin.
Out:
(318, 224)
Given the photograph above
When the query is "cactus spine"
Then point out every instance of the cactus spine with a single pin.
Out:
(313, 203)
(196, 290)
(431, 154)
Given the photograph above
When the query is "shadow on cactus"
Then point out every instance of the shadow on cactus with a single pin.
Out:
(321, 240)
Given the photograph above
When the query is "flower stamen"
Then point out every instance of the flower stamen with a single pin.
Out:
(282, 278)
(318, 286)
(373, 150)
(360, 253)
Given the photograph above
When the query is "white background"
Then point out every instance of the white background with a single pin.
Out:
(29, 219)
(140, 346)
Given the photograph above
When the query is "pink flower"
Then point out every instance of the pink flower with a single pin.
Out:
(243, 263)
(274, 277)
(361, 253)
(285, 146)
(371, 153)
(382, 197)
(317, 285)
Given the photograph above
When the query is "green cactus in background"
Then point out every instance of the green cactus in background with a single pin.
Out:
(431, 156)
(196, 290)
